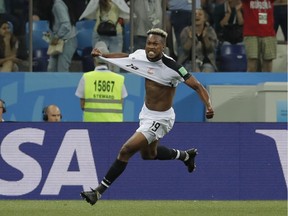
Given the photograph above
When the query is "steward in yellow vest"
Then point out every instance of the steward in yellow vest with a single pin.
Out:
(103, 96)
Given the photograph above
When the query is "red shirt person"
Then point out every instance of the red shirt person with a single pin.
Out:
(259, 35)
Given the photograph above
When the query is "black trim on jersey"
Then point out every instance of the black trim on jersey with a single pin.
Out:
(174, 66)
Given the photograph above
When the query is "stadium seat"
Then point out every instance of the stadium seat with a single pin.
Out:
(40, 57)
(232, 58)
(84, 35)
(40, 60)
(38, 27)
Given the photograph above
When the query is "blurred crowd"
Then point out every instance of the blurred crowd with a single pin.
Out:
(246, 27)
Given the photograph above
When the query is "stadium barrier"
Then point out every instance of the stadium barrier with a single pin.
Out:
(236, 161)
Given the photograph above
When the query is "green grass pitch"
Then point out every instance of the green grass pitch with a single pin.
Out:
(142, 208)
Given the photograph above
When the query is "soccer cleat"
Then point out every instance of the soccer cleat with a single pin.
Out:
(91, 196)
(190, 163)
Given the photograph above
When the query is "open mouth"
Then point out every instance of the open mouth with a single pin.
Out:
(151, 54)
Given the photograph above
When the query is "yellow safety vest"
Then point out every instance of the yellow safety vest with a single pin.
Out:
(103, 97)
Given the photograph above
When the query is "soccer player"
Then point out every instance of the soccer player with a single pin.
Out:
(157, 115)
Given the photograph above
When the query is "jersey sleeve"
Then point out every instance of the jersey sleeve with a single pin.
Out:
(171, 63)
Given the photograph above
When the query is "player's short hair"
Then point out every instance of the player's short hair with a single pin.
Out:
(158, 31)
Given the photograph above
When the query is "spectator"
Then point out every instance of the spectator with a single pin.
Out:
(228, 18)
(101, 92)
(180, 17)
(2, 110)
(280, 16)
(113, 11)
(259, 34)
(148, 14)
(206, 43)
(16, 12)
(8, 48)
(18, 16)
(7, 8)
(62, 23)
(51, 113)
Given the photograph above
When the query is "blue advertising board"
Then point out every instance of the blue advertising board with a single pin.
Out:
(236, 161)
(26, 94)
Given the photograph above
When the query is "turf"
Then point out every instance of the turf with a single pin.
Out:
(143, 208)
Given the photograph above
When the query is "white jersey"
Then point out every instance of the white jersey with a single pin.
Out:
(164, 71)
